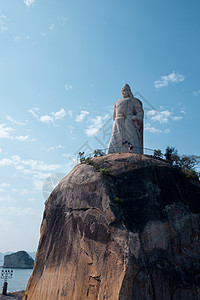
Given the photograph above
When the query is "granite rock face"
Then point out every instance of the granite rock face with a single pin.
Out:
(20, 260)
(131, 234)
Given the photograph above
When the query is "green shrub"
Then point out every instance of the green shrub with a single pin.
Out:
(98, 152)
(89, 161)
(118, 200)
(157, 153)
(105, 171)
(191, 174)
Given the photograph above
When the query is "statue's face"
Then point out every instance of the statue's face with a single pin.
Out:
(125, 93)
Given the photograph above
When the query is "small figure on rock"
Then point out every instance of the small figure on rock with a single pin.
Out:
(130, 149)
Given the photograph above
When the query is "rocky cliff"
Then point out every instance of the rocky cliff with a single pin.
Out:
(131, 232)
(20, 260)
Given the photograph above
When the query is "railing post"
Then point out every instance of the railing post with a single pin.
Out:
(5, 285)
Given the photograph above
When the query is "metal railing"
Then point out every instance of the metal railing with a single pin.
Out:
(103, 152)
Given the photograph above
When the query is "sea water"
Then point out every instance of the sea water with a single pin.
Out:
(19, 279)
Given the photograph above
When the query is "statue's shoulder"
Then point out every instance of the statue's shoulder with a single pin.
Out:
(136, 100)
(119, 101)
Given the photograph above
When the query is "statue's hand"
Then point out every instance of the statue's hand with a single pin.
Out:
(134, 118)
(136, 122)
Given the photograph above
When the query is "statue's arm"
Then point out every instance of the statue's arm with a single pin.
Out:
(139, 113)
(114, 114)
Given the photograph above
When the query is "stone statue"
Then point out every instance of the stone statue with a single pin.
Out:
(128, 124)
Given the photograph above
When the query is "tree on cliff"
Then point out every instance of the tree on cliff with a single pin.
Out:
(187, 163)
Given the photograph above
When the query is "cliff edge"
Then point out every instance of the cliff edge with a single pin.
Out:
(130, 230)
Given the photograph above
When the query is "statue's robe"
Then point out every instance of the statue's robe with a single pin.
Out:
(126, 130)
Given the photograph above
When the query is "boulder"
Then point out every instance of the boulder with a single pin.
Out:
(20, 260)
(124, 226)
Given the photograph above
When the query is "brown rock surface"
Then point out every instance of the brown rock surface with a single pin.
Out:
(133, 234)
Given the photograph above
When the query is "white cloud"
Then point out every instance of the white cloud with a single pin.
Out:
(166, 79)
(3, 185)
(51, 27)
(68, 87)
(33, 164)
(29, 2)
(196, 93)
(97, 124)
(162, 116)
(3, 26)
(52, 148)
(0, 150)
(21, 138)
(177, 118)
(19, 38)
(70, 113)
(17, 211)
(6, 198)
(5, 162)
(59, 114)
(80, 118)
(46, 119)
(183, 111)
(23, 192)
(14, 121)
(35, 112)
(5, 132)
(152, 129)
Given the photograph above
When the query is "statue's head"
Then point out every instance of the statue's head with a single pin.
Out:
(126, 91)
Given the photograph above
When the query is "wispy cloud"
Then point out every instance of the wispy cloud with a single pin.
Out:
(35, 111)
(166, 79)
(183, 111)
(59, 114)
(163, 116)
(5, 131)
(160, 116)
(19, 38)
(46, 119)
(22, 192)
(52, 148)
(62, 20)
(14, 121)
(68, 87)
(22, 138)
(96, 124)
(29, 2)
(81, 117)
(17, 211)
(51, 27)
(177, 118)
(5, 162)
(3, 186)
(196, 93)
(154, 130)
(70, 113)
(3, 21)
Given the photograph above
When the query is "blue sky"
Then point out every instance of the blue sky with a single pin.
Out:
(62, 66)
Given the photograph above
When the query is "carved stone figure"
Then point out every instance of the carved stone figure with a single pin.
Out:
(128, 124)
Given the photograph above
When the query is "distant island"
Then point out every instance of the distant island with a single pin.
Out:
(20, 260)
